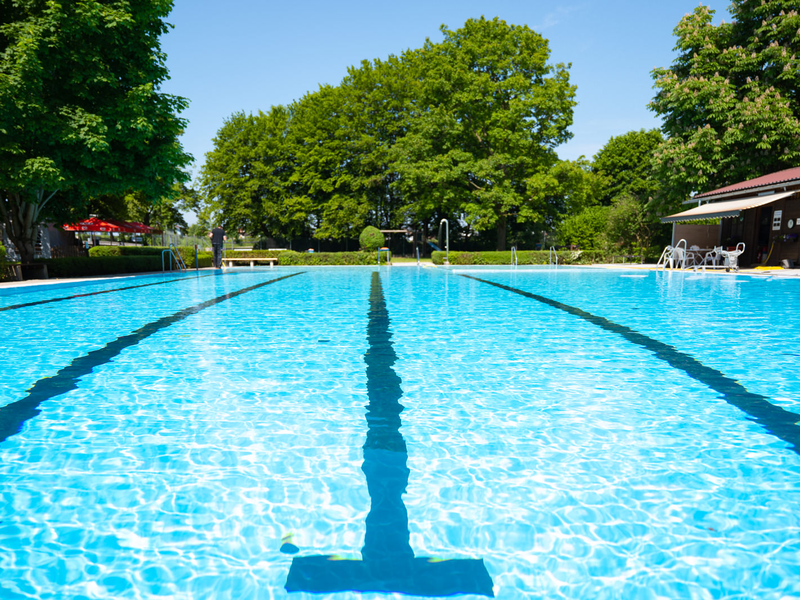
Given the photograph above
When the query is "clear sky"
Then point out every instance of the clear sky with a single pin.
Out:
(227, 56)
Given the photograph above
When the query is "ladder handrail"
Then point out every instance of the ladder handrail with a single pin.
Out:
(179, 258)
(514, 255)
(551, 254)
(417, 250)
(173, 251)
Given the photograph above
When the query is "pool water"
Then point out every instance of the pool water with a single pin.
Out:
(373, 433)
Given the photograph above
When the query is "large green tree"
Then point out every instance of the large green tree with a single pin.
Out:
(342, 138)
(247, 179)
(626, 163)
(729, 101)
(488, 111)
(81, 114)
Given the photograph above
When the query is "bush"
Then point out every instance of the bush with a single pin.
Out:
(96, 251)
(371, 239)
(5, 266)
(291, 258)
(186, 252)
(524, 257)
(82, 266)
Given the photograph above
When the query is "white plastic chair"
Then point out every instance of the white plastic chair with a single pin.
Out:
(712, 258)
(732, 257)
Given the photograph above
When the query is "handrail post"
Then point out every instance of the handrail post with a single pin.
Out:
(447, 238)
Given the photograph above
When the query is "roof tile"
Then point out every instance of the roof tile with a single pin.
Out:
(792, 174)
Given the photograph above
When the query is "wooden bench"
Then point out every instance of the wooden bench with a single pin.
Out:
(228, 261)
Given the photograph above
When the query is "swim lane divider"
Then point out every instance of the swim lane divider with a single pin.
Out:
(388, 564)
(13, 416)
(776, 420)
(130, 287)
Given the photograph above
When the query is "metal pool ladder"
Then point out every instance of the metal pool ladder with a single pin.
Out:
(552, 254)
(173, 252)
(514, 255)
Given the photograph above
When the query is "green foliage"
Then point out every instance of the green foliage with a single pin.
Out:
(126, 261)
(97, 251)
(729, 101)
(291, 258)
(464, 129)
(626, 163)
(187, 253)
(487, 113)
(585, 229)
(82, 266)
(5, 270)
(247, 181)
(629, 227)
(524, 257)
(81, 114)
(371, 239)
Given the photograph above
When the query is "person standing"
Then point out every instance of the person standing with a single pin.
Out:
(217, 236)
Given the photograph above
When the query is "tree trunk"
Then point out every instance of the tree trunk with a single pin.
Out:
(22, 224)
(502, 225)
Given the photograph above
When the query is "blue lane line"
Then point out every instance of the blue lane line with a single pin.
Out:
(13, 416)
(779, 422)
(130, 287)
(388, 563)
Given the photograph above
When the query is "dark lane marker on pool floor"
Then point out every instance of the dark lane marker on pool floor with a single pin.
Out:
(130, 287)
(13, 416)
(387, 564)
(776, 420)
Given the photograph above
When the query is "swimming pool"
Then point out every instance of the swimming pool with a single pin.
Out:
(281, 433)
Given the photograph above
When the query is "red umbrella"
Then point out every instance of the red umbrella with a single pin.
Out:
(141, 227)
(108, 226)
(96, 224)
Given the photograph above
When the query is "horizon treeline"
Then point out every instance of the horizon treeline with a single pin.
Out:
(465, 129)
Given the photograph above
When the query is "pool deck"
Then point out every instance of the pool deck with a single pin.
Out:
(789, 273)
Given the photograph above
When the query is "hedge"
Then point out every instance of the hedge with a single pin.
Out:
(524, 257)
(186, 252)
(292, 258)
(82, 266)
(6, 274)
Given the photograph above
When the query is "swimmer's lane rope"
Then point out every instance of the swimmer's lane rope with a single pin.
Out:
(13, 416)
(779, 422)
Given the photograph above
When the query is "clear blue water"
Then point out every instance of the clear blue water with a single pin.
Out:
(575, 434)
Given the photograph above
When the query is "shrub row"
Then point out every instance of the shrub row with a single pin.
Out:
(292, 258)
(524, 257)
(5, 267)
(186, 252)
(82, 266)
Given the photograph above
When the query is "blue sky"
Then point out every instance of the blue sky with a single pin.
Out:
(252, 54)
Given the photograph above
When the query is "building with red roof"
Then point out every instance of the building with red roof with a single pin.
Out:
(764, 213)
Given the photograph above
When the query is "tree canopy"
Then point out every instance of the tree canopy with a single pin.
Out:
(464, 129)
(625, 162)
(81, 114)
(489, 113)
(730, 100)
